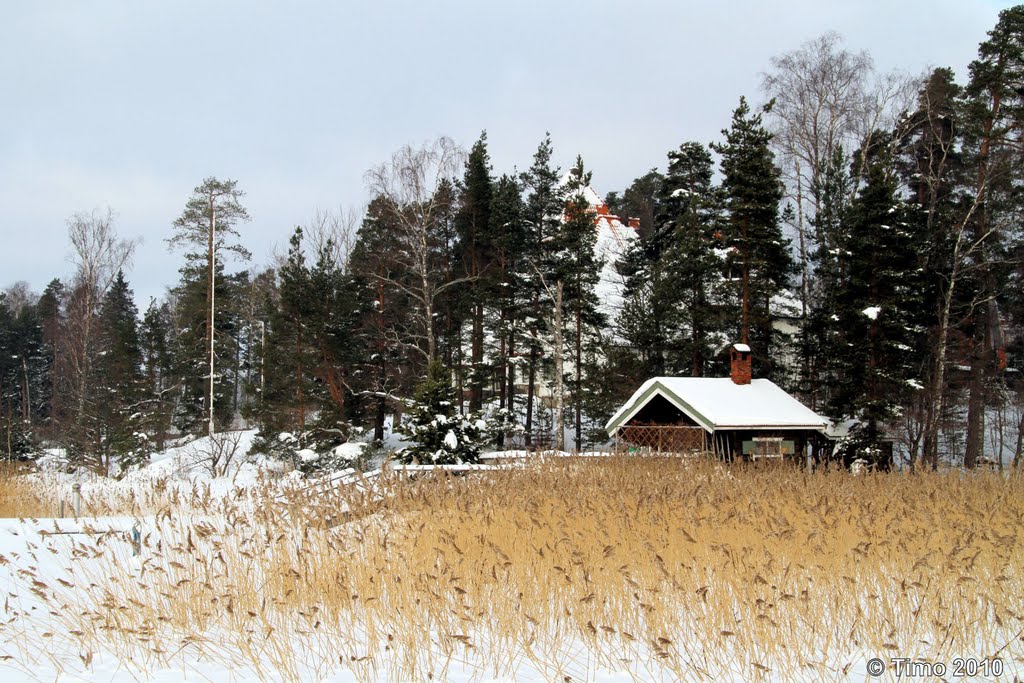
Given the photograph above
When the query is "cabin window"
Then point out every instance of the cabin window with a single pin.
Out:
(768, 447)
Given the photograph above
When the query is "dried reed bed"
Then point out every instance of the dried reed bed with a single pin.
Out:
(20, 496)
(658, 567)
(29, 493)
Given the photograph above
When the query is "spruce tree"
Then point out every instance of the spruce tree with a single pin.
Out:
(157, 347)
(310, 352)
(117, 397)
(819, 336)
(511, 294)
(688, 289)
(52, 322)
(542, 214)
(441, 436)
(931, 166)
(287, 387)
(23, 375)
(879, 310)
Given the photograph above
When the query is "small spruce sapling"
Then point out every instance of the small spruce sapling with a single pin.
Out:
(440, 435)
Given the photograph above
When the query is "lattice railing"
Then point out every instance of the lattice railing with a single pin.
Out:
(662, 439)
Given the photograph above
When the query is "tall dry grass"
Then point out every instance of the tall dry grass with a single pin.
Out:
(20, 497)
(659, 567)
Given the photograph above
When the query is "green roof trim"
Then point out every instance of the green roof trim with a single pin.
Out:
(659, 388)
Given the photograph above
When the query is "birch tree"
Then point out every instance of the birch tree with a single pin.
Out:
(98, 254)
(411, 186)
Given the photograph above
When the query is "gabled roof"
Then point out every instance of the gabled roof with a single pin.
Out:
(719, 403)
(615, 236)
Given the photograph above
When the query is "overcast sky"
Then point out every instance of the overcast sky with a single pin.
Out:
(131, 104)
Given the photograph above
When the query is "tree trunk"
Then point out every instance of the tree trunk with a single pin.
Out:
(976, 401)
(1020, 442)
(211, 298)
(745, 302)
(26, 410)
(476, 384)
(974, 446)
(578, 397)
(559, 371)
(936, 390)
(510, 394)
(531, 382)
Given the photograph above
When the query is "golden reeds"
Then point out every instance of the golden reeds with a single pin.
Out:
(658, 567)
(20, 497)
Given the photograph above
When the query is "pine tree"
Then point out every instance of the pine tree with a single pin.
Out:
(189, 311)
(759, 253)
(993, 125)
(641, 200)
(206, 229)
(476, 258)
(511, 290)
(578, 268)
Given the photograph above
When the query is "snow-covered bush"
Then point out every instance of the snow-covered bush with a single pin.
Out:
(440, 435)
(310, 451)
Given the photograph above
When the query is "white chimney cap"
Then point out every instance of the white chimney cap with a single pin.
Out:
(742, 348)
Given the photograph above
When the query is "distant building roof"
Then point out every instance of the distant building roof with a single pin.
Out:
(615, 235)
(719, 403)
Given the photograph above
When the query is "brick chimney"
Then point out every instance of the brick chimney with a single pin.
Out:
(739, 356)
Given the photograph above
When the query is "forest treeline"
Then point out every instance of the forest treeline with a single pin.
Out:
(860, 230)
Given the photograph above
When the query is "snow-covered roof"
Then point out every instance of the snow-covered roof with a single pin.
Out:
(614, 239)
(784, 305)
(719, 403)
